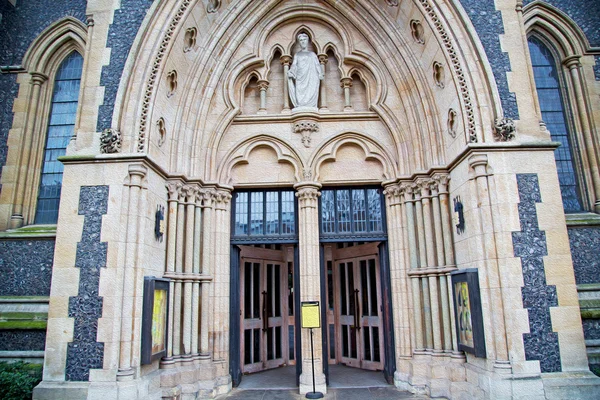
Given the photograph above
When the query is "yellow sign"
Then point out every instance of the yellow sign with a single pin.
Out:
(311, 317)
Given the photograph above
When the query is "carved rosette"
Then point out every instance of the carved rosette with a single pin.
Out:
(504, 129)
(305, 128)
(110, 141)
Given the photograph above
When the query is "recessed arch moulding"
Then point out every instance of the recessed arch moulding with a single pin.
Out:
(210, 126)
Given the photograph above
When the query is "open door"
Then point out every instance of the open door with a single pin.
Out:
(266, 309)
(358, 310)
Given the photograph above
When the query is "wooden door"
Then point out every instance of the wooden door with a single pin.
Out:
(358, 314)
(264, 310)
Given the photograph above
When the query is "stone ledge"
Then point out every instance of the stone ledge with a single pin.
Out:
(571, 385)
(61, 390)
(30, 232)
(582, 219)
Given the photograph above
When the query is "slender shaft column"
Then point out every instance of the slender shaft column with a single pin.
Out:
(398, 271)
(173, 190)
(422, 264)
(414, 264)
(196, 270)
(439, 247)
(188, 268)
(286, 61)
(177, 295)
(448, 253)
(323, 92)
(346, 84)
(310, 281)
(205, 295)
(136, 177)
(263, 86)
(221, 275)
(588, 135)
(16, 219)
(487, 244)
(431, 264)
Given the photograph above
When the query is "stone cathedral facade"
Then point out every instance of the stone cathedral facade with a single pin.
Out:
(154, 142)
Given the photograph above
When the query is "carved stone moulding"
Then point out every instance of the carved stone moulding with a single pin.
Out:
(189, 39)
(452, 122)
(110, 141)
(438, 74)
(504, 129)
(305, 128)
(162, 131)
(417, 31)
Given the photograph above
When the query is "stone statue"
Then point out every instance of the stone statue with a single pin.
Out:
(304, 77)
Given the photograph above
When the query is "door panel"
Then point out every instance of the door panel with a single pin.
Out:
(358, 314)
(265, 321)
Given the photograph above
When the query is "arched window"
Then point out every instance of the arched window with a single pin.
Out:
(554, 114)
(60, 129)
(43, 123)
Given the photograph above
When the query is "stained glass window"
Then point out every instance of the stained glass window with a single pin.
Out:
(553, 113)
(351, 212)
(263, 213)
(60, 130)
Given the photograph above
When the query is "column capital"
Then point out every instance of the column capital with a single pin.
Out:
(423, 186)
(479, 164)
(37, 78)
(346, 82)
(263, 84)
(285, 60)
(442, 180)
(572, 61)
(222, 198)
(173, 188)
(208, 197)
(307, 191)
(323, 58)
(188, 192)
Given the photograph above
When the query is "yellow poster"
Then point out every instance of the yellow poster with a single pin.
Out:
(310, 314)
(159, 321)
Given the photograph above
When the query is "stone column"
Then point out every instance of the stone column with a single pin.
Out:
(422, 265)
(16, 219)
(492, 294)
(177, 293)
(196, 270)
(173, 188)
(205, 294)
(398, 272)
(414, 264)
(439, 248)
(310, 281)
(221, 275)
(574, 65)
(286, 61)
(188, 270)
(323, 95)
(431, 265)
(346, 84)
(263, 86)
(137, 173)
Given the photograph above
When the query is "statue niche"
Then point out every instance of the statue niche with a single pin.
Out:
(304, 77)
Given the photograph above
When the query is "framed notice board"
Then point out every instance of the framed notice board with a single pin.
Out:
(467, 311)
(310, 314)
(154, 319)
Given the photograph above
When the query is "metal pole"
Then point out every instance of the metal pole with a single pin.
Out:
(314, 394)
